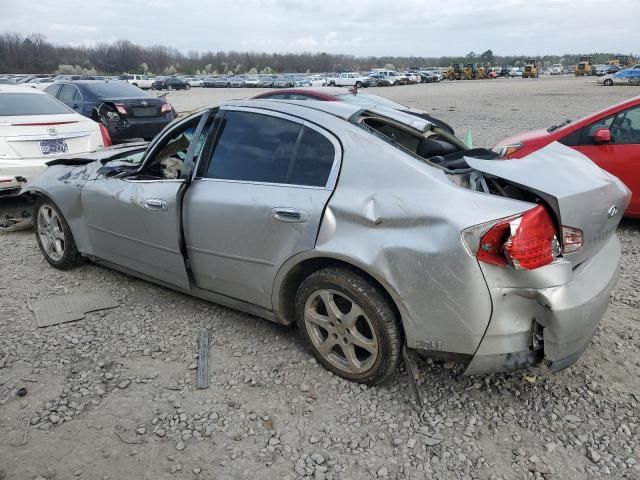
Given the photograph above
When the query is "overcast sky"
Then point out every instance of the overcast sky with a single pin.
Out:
(363, 27)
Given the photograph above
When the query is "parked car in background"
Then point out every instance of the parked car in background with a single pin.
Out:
(266, 81)
(209, 82)
(222, 82)
(169, 83)
(610, 138)
(349, 79)
(283, 82)
(140, 81)
(441, 222)
(317, 81)
(126, 111)
(556, 69)
(237, 81)
(252, 81)
(393, 77)
(628, 76)
(39, 83)
(36, 128)
(379, 80)
(193, 81)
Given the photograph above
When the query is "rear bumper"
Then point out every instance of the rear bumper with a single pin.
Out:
(14, 170)
(552, 324)
(137, 128)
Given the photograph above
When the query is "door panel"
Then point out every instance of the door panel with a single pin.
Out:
(258, 200)
(239, 234)
(620, 157)
(135, 224)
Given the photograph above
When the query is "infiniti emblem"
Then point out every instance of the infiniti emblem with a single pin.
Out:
(52, 131)
(612, 211)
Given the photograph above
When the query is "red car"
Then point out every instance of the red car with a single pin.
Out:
(610, 138)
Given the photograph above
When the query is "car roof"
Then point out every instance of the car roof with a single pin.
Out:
(342, 110)
(8, 88)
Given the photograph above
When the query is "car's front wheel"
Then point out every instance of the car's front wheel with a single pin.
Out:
(187, 86)
(349, 324)
(169, 87)
(608, 82)
(54, 235)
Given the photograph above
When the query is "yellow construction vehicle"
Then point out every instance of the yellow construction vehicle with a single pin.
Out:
(457, 71)
(584, 67)
(474, 72)
(531, 69)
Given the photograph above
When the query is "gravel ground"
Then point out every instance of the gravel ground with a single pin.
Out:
(113, 395)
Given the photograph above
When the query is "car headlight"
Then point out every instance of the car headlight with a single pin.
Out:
(508, 150)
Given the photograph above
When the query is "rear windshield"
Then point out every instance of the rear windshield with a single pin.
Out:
(115, 90)
(15, 104)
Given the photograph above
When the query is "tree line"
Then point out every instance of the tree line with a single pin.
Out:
(35, 54)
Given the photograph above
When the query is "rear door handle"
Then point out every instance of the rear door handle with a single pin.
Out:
(155, 204)
(289, 215)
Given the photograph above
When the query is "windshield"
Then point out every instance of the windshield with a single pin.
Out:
(115, 90)
(14, 104)
(367, 99)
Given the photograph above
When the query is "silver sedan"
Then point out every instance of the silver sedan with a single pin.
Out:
(373, 229)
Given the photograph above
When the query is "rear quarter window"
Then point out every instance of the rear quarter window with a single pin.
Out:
(16, 104)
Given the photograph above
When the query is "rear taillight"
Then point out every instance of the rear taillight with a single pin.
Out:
(166, 108)
(527, 241)
(106, 138)
(571, 239)
(122, 111)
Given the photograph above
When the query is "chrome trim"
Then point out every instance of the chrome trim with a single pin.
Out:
(47, 136)
(250, 182)
(228, 255)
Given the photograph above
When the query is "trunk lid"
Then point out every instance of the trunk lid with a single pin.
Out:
(147, 107)
(45, 136)
(581, 194)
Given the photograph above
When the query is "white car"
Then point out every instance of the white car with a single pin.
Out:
(141, 81)
(193, 81)
(36, 128)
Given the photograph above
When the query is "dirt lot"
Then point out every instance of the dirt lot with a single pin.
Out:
(113, 396)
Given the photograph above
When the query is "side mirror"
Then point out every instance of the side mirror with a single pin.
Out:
(601, 135)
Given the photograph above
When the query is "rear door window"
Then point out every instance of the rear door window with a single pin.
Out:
(254, 147)
(313, 161)
(261, 148)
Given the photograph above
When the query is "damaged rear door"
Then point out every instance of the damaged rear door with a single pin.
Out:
(582, 195)
(257, 199)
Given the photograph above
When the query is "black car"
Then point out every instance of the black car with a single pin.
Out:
(126, 111)
(209, 82)
(170, 83)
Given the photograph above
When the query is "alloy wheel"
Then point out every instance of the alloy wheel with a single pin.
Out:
(340, 331)
(51, 233)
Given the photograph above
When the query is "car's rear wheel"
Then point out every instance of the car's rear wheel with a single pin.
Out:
(608, 82)
(54, 235)
(187, 86)
(358, 84)
(350, 325)
(169, 87)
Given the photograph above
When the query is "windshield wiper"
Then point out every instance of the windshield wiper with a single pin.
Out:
(560, 125)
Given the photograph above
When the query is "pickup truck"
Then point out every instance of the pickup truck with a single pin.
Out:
(349, 80)
(140, 81)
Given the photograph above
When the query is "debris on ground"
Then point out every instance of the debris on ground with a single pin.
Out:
(12, 223)
(69, 308)
(202, 380)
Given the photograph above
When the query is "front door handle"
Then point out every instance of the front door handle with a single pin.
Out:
(289, 215)
(155, 204)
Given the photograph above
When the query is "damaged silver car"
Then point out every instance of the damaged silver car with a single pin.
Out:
(373, 229)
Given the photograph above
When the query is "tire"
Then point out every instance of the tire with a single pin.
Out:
(358, 85)
(333, 303)
(169, 87)
(187, 86)
(53, 235)
(608, 82)
(134, 84)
